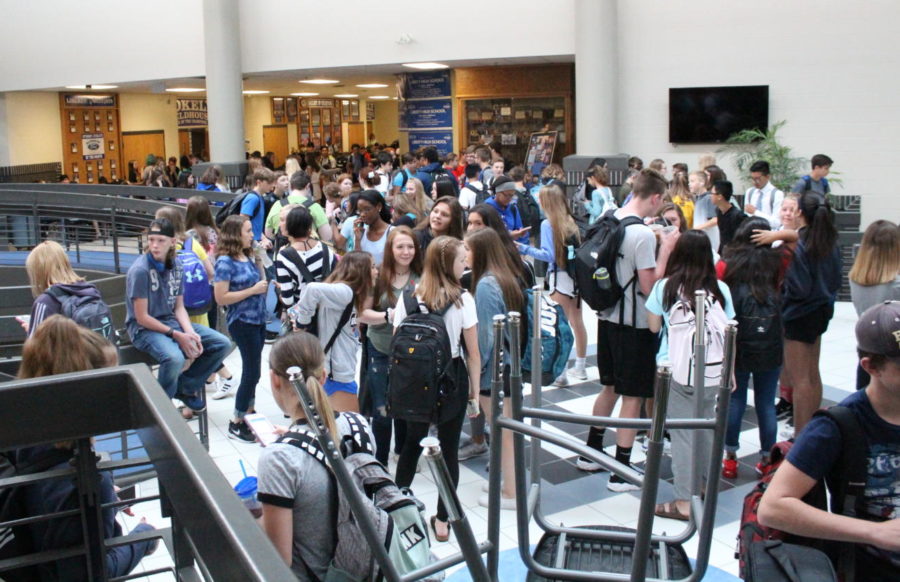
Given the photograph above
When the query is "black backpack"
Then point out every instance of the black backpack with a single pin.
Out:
(530, 211)
(759, 337)
(231, 208)
(441, 172)
(88, 311)
(420, 359)
(481, 194)
(600, 248)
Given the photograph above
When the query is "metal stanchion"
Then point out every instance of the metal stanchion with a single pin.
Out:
(468, 545)
(497, 395)
(536, 380)
(699, 385)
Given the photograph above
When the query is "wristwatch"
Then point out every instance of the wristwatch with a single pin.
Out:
(171, 332)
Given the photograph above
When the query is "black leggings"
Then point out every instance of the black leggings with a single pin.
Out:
(448, 435)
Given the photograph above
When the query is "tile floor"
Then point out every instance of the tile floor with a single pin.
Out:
(568, 495)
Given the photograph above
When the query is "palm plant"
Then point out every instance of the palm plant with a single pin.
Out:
(751, 145)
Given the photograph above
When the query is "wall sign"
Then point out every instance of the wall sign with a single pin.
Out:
(92, 146)
(442, 140)
(90, 100)
(429, 114)
(191, 112)
(426, 85)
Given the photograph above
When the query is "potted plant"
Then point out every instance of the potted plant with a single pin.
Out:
(750, 145)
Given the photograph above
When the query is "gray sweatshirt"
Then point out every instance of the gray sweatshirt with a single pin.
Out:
(330, 300)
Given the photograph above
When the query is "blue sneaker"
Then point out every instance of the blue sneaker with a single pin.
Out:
(192, 401)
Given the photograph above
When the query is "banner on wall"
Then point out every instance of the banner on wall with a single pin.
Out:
(430, 114)
(92, 146)
(426, 85)
(191, 112)
(425, 104)
(442, 140)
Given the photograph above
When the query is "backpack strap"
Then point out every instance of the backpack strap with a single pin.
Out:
(345, 317)
(326, 260)
(294, 256)
(307, 203)
(56, 292)
(410, 303)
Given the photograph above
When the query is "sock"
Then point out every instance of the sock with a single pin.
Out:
(580, 363)
(595, 438)
(787, 393)
(623, 455)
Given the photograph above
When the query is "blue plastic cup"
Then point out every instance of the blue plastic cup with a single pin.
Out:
(246, 491)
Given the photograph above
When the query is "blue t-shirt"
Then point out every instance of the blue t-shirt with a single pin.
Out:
(253, 207)
(818, 448)
(510, 216)
(160, 289)
(398, 179)
(655, 305)
(241, 275)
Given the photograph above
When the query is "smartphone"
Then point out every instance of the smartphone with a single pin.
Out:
(472, 408)
(262, 428)
(23, 318)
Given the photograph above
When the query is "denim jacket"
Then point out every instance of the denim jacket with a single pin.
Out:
(488, 303)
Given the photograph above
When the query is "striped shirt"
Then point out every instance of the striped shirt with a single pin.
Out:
(290, 277)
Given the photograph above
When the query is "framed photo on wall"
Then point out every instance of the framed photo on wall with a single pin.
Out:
(540, 151)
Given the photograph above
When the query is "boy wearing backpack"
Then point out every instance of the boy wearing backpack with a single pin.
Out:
(815, 180)
(626, 348)
(159, 325)
(872, 526)
(253, 205)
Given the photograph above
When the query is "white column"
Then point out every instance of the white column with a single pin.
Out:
(224, 97)
(596, 77)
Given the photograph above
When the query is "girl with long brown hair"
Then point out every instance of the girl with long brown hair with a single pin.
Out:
(445, 261)
(336, 304)
(559, 238)
(445, 219)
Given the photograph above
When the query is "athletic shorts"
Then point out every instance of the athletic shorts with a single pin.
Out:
(332, 386)
(810, 327)
(561, 282)
(626, 357)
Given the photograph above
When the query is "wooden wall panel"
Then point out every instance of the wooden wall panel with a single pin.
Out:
(517, 81)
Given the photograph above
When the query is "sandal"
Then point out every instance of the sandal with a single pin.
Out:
(438, 537)
(670, 510)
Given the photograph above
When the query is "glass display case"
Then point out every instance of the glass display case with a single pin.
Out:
(511, 121)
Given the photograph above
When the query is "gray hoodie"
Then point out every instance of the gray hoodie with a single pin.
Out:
(45, 305)
(330, 300)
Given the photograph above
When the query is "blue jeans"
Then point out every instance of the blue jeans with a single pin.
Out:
(250, 339)
(765, 383)
(171, 359)
(377, 383)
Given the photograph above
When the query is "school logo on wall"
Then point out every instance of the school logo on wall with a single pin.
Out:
(191, 112)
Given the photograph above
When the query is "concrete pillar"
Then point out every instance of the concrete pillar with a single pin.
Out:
(224, 86)
(596, 77)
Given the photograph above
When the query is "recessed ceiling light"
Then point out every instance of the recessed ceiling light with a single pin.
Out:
(255, 92)
(372, 86)
(379, 97)
(304, 94)
(185, 90)
(320, 81)
(347, 95)
(425, 66)
(97, 87)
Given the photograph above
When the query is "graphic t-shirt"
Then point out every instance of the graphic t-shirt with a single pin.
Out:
(160, 289)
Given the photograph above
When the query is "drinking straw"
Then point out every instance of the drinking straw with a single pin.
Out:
(243, 469)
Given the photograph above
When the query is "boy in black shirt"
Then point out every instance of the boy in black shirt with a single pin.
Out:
(728, 215)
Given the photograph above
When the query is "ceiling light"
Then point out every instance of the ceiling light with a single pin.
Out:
(347, 95)
(185, 90)
(304, 94)
(379, 97)
(425, 66)
(320, 81)
(372, 86)
(255, 92)
(97, 87)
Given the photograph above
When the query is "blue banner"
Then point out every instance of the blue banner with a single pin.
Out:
(430, 114)
(427, 85)
(442, 140)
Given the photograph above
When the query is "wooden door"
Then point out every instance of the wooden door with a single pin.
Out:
(137, 144)
(356, 134)
(184, 142)
(275, 139)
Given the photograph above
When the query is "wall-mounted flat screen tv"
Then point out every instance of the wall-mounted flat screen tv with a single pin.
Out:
(712, 114)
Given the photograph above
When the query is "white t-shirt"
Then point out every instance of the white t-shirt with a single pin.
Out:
(638, 252)
(467, 196)
(456, 319)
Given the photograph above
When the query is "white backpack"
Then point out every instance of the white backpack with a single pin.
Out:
(682, 330)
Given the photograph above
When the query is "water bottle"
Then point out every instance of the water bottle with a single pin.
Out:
(601, 276)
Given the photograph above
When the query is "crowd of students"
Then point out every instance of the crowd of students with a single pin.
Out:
(456, 239)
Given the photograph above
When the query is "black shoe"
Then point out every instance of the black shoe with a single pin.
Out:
(271, 336)
(784, 409)
(240, 431)
(192, 401)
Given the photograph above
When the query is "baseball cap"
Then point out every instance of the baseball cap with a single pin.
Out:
(878, 330)
(162, 226)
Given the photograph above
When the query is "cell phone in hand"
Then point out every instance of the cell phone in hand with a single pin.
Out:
(262, 428)
(23, 318)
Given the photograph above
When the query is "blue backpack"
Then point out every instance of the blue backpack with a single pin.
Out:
(197, 286)
(556, 338)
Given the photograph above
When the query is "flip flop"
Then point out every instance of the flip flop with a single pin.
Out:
(437, 537)
(670, 510)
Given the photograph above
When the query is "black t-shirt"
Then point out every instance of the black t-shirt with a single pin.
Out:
(728, 224)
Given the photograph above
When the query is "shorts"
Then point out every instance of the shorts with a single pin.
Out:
(626, 357)
(810, 327)
(331, 386)
(561, 282)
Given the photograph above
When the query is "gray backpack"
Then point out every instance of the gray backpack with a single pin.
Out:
(395, 513)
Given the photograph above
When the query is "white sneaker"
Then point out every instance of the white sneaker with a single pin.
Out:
(620, 485)
(578, 373)
(226, 388)
(505, 503)
(561, 380)
(472, 450)
(588, 465)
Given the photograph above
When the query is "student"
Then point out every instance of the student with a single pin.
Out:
(175, 215)
(304, 260)
(403, 175)
(815, 181)
(445, 219)
(371, 229)
(439, 288)
(343, 233)
(670, 215)
(442, 186)
(754, 274)
(399, 273)
(240, 286)
(431, 168)
(474, 190)
(485, 216)
(336, 303)
(763, 199)
(484, 158)
(704, 209)
(626, 348)
(502, 200)
(159, 325)
(298, 493)
(875, 275)
(688, 270)
(601, 198)
(873, 531)
(679, 193)
(210, 179)
(299, 194)
(60, 346)
(497, 292)
(810, 288)
(253, 206)
(383, 171)
(659, 166)
(728, 216)
(559, 236)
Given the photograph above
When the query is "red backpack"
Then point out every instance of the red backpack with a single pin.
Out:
(846, 483)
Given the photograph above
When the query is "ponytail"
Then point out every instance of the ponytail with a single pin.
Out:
(821, 234)
(304, 351)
